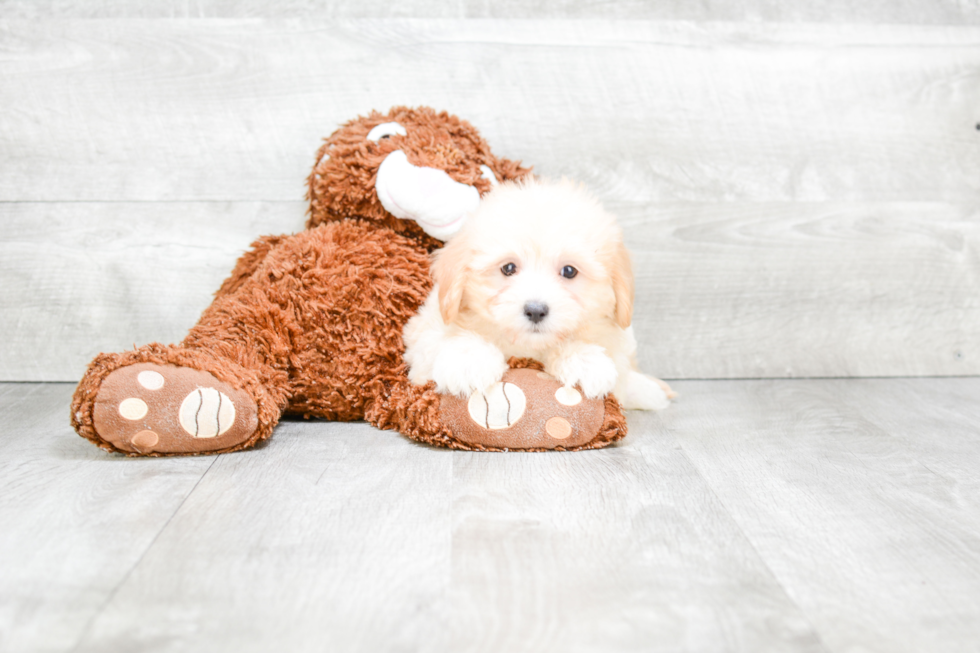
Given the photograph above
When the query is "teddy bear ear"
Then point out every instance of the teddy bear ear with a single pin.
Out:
(622, 283)
(508, 170)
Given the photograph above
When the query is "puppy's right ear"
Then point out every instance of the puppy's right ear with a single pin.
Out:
(450, 272)
(622, 283)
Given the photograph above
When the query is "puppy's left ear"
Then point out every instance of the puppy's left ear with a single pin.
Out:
(449, 271)
(621, 273)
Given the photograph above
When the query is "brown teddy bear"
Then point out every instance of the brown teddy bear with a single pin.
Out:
(311, 323)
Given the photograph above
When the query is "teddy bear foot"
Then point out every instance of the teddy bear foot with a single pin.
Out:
(152, 409)
(528, 410)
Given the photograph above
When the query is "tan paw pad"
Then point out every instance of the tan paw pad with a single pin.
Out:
(150, 380)
(144, 441)
(558, 428)
(568, 396)
(500, 407)
(155, 409)
(550, 416)
(133, 408)
(206, 413)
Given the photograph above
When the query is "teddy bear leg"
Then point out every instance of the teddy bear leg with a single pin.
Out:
(169, 400)
(248, 263)
(527, 411)
(220, 390)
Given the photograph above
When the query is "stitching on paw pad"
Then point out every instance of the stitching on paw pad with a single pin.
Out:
(206, 413)
(500, 407)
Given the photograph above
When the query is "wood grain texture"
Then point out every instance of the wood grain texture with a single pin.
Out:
(918, 12)
(75, 520)
(953, 451)
(723, 290)
(800, 198)
(80, 278)
(879, 548)
(781, 515)
(615, 550)
(654, 111)
(331, 537)
(743, 290)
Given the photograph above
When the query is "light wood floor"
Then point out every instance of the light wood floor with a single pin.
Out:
(786, 515)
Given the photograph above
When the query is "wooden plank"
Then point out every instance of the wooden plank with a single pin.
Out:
(226, 109)
(723, 290)
(792, 515)
(953, 405)
(880, 551)
(331, 537)
(917, 12)
(744, 290)
(75, 519)
(81, 278)
(624, 549)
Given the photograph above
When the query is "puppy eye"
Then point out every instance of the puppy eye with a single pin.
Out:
(508, 269)
(386, 130)
(568, 272)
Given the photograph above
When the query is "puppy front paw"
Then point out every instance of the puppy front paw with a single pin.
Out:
(464, 366)
(589, 368)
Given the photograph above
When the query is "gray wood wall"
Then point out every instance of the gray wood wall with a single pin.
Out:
(799, 182)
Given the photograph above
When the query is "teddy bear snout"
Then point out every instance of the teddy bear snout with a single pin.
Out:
(430, 196)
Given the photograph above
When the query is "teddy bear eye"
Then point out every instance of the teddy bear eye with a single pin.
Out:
(508, 269)
(569, 272)
(386, 130)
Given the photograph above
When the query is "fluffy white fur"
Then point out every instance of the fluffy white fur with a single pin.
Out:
(477, 316)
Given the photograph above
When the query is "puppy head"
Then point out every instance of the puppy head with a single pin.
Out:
(537, 263)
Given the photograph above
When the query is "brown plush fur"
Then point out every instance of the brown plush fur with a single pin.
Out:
(312, 323)
(83, 403)
(342, 182)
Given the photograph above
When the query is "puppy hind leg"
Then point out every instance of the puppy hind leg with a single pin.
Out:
(670, 392)
(637, 391)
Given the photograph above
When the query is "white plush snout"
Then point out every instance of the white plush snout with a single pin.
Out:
(432, 198)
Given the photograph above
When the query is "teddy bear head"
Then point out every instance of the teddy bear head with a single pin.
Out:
(416, 171)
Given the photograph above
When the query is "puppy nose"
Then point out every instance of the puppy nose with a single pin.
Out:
(535, 311)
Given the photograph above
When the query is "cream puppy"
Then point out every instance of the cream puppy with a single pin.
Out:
(538, 271)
